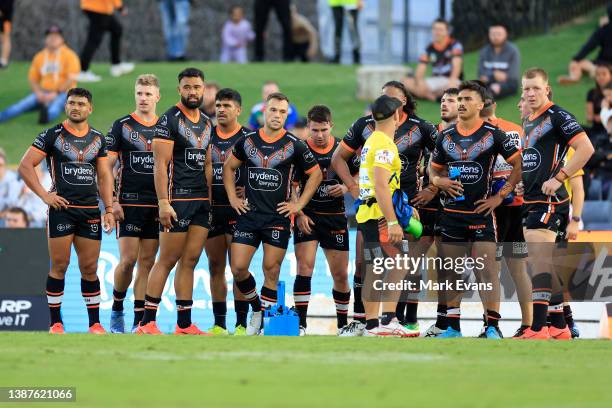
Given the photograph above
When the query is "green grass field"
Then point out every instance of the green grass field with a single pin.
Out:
(126, 371)
(305, 85)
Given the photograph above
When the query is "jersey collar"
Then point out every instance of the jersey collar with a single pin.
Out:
(73, 131)
(543, 109)
(183, 109)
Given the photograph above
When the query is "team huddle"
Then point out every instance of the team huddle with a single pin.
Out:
(184, 185)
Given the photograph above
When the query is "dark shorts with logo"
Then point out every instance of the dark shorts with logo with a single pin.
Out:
(543, 216)
(466, 227)
(83, 222)
(139, 222)
(254, 227)
(330, 230)
(430, 218)
(189, 212)
(510, 232)
(224, 219)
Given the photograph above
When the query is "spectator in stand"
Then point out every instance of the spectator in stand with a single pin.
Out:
(603, 75)
(101, 16)
(351, 7)
(499, 64)
(235, 36)
(445, 54)
(602, 39)
(256, 119)
(6, 22)
(606, 106)
(300, 130)
(208, 102)
(262, 12)
(53, 72)
(175, 22)
(9, 186)
(16, 218)
(305, 37)
(31, 203)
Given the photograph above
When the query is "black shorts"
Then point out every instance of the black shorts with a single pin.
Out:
(562, 233)
(6, 15)
(511, 241)
(224, 221)
(189, 212)
(467, 227)
(83, 222)
(430, 218)
(139, 222)
(552, 218)
(330, 230)
(254, 228)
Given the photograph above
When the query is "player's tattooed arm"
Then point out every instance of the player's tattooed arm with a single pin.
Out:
(314, 179)
(486, 206)
(440, 179)
(31, 159)
(339, 164)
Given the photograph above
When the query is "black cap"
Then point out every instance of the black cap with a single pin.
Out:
(384, 107)
(54, 29)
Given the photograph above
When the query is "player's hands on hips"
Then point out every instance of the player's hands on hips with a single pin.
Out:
(453, 188)
(520, 188)
(487, 206)
(337, 190)
(423, 197)
(396, 233)
(166, 214)
(108, 222)
(240, 192)
(240, 205)
(55, 201)
(551, 186)
(304, 223)
(288, 208)
(118, 211)
(572, 230)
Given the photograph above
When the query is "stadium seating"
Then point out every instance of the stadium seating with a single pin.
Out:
(595, 192)
(597, 215)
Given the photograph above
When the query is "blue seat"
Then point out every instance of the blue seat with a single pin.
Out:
(597, 215)
(595, 192)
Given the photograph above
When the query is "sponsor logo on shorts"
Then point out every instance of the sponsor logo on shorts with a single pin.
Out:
(531, 159)
(244, 235)
(133, 228)
(94, 227)
(184, 222)
(78, 174)
(339, 238)
(275, 234)
(264, 179)
(64, 227)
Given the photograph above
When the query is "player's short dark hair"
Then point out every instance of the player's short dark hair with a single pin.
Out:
(234, 7)
(441, 21)
(19, 210)
(228, 94)
(411, 104)
(451, 91)
(499, 24)
(474, 86)
(82, 92)
(535, 72)
(319, 114)
(191, 73)
(279, 96)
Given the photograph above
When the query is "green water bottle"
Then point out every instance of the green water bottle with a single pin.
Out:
(415, 228)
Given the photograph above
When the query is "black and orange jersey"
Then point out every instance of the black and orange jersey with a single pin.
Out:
(548, 134)
(130, 138)
(190, 138)
(322, 202)
(441, 57)
(473, 153)
(71, 158)
(412, 137)
(221, 146)
(270, 165)
(435, 203)
(502, 169)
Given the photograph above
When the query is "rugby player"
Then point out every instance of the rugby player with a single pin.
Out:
(322, 222)
(269, 155)
(182, 174)
(379, 178)
(412, 137)
(472, 146)
(549, 132)
(431, 211)
(129, 140)
(511, 242)
(76, 158)
(228, 105)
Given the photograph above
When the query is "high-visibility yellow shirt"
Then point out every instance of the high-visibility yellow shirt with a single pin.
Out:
(379, 150)
(579, 173)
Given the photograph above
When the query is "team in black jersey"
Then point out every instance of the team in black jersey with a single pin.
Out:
(76, 158)
(322, 223)
(225, 135)
(269, 155)
(182, 175)
(130, 142)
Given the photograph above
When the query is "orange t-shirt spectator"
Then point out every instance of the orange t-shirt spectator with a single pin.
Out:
(53, 72)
